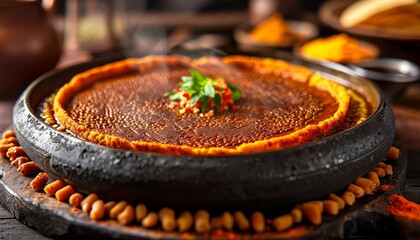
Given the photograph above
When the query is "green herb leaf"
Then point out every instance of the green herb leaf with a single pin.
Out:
(186, 85)
(217, 101)
(173, 96)
(186, 78)
(200, 79)
(236, 93)
(204, 102)
(194, 98)
(209, 90)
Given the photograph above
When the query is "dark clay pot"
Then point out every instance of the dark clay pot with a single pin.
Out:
(29, 46)
(254, 181)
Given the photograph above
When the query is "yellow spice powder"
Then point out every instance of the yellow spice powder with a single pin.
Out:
(274, 31)
(338, 48)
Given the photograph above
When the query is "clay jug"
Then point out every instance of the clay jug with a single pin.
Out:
(29, 45)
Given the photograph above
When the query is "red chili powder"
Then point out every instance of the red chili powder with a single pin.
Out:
(385, 187)
(402, 207)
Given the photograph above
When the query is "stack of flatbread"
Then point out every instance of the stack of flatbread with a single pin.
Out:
(391, 16)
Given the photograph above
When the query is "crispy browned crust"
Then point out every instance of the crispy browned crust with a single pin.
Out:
(261, 65)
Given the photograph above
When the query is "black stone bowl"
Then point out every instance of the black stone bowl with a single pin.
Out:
(265, 180)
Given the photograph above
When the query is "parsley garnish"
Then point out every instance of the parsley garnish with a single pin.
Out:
(202, 88)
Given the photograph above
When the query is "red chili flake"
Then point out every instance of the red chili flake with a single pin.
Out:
(218, 232)
(186, 95)
(385, 187)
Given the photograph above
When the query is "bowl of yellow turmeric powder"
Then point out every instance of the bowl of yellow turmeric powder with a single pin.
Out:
(274, 32)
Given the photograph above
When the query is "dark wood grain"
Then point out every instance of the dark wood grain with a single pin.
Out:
(412, 183)
(13, 229)
(4, 214)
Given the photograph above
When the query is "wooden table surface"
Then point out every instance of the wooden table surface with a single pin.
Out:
(406, 108)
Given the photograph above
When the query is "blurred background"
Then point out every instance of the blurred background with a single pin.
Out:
(39, 35)
(104, 26)
(43, 34)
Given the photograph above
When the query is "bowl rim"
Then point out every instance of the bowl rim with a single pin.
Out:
(377, 104)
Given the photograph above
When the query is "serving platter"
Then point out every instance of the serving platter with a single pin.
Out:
(367, 217)
(267, 180)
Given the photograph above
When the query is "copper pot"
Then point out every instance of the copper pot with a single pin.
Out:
(29, 45)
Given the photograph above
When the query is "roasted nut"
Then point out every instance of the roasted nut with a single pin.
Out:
(28, 169)
(127, 215)
(339, 200)
(15, 152)
(379, 171)
(319, 204)
(19, 161)
(393, 153)
(283, 223)
(202, 221)
(150, 220)
(367, 185)
(296, 213)
(109, 205)
(4, 148)
(386, 167)
(117, 209)
(141, 212)
(349, 198)
(313, 211)
(11, 140)
(53, 187)
(185, 221)
(39, 181)
(88, 202)
(64, 193)
(330, 207)
(98, 210)
(167, 219)
(356, 190)
(8, 133)
(76, 199)
(241, 221)
(258, 222)
(374, 178)
(227, 220)
(216, 222)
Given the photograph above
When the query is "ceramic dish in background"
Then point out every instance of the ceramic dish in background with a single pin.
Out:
(330, 11)
(305, 31)
(380, 69)
(362, 44)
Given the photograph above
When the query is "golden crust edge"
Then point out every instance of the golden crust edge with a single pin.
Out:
(303, 135)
